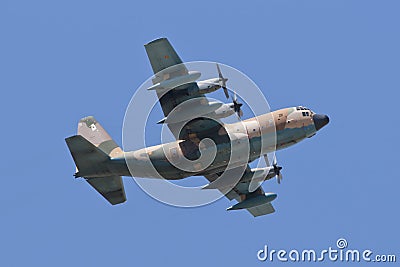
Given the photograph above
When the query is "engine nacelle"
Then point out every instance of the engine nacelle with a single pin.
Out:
(224, 111)
(192, 109)
(208, 86)
(218, 109)
(259, 174)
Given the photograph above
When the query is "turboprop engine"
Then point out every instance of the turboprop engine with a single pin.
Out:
(224, 111)
(213, 84)
(209, 85)
(215, 110)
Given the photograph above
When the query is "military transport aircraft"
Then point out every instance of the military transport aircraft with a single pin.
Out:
(102, 163)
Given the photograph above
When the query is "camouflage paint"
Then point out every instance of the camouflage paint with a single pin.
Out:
(290, 125)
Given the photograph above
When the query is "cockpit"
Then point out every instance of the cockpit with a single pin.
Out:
(306, 112)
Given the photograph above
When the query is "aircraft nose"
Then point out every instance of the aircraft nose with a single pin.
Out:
(320, 120)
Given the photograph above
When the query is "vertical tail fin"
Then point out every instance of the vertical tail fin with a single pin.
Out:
(92, 131)
(91, 150)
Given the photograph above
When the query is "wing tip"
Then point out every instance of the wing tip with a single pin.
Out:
(160, 39)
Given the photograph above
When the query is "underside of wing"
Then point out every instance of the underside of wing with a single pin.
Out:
(182, 98)
(258, 203)
(262, 210)
(167, 65)
(161, 54)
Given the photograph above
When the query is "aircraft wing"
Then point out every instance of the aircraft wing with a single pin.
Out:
(166, 65)
(162, 55)
(262, 210)
(241, 193)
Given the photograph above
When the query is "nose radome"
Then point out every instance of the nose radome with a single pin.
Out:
(320, 120)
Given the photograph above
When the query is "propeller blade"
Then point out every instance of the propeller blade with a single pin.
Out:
(237, 106)
(226, 92)
(277, 170)
(219, 73)
(279, 176)
(222, 82)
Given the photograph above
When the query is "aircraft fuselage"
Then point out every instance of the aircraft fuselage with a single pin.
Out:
(281, 128)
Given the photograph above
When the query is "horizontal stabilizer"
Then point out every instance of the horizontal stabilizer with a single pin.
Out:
(87, 157)
(91, 161)
(111, 188)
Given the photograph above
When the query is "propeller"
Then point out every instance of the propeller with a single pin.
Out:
(237, 106)
(277, 168)
(222, 82)
(256, 181)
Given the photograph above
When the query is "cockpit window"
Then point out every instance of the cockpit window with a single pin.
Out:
(306, 114)
(302, 108)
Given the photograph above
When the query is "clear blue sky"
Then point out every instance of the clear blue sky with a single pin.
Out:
(61, 60)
